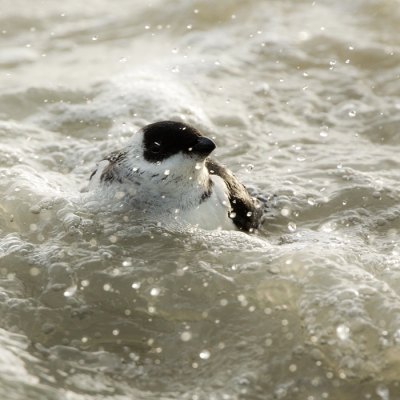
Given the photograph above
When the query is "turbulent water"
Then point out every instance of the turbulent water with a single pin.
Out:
(303, 101)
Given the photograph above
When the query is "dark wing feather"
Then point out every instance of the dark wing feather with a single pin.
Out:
(112, 172)
(248, 211)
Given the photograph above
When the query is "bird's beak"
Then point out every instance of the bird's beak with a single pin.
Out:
(204, 146)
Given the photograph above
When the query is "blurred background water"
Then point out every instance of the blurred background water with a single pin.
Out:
(303, 101)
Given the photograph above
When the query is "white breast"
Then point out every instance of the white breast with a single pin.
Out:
(213, 213)
(95, 179)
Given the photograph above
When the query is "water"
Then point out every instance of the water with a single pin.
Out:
(302, 99)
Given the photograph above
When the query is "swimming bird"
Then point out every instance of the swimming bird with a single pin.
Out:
(166, 168)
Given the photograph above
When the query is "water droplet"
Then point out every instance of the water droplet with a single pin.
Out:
(352, 113)
(115, 332)
(198, 166)
(232, 215)
(323, 131)
(292, 226)
(343, 332)
(166, 172)
(136, 285)
(107, 287)
(122, 59)
(94, 37)
(155, 291)
(333, 62)
(127, 263)
(292, 368)
(285, 212)
(305, 73)
(205, 355)
(176, 69)
(311, 201)
(249, 214)
(328, 227)
(186, 336)
(383, 392)
(70, 291)
(249, 167)
(305, 87)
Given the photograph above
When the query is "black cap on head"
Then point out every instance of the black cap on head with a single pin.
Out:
(166, 138)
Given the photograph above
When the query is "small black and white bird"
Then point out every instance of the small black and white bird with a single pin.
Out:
(165, 167)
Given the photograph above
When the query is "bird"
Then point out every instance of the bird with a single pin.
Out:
(165, 167)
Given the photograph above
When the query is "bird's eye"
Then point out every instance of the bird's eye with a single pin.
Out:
(155, 148)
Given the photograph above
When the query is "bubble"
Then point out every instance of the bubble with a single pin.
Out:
(155, 291)
(167, 172)
(122, 59)
(311, 201)
(95, 38)
(69, 292)
(119, 195)
(249, 214)
(205, 355)
(85, 283)
(343, 332)
(36, 209)
(328, 227)
(176, 69)
(249, 167)
(285, 212)
(292, 226)
(186, 336)
(292, 367)
(113, 239)
(115, 332)
(352, 113)
(127, 263)
(232, 215)
(198, 166)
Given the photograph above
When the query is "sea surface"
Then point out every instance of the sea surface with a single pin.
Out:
(303, 100)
